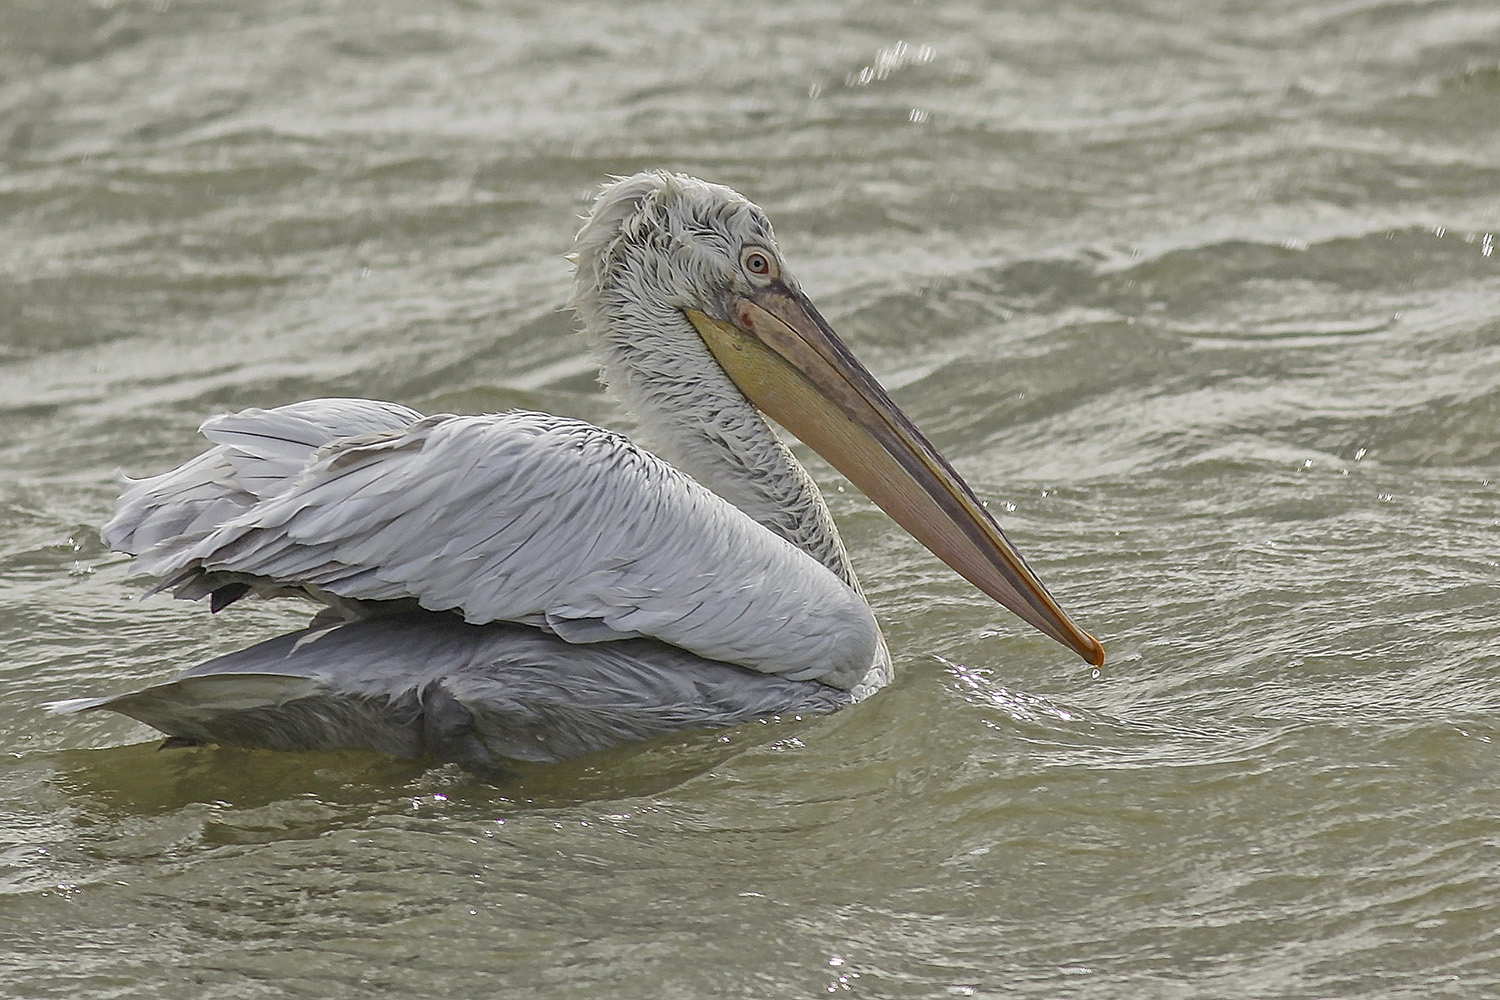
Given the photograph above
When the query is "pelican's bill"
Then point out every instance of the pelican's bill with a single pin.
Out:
(787, 360)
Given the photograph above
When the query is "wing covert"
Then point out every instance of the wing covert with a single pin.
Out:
(257, 453)
(531, 518)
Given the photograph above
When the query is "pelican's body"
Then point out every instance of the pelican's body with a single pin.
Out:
(525, 585)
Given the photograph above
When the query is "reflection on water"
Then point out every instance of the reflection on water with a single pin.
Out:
(144, 779)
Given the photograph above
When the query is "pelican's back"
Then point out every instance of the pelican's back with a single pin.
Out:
(519, 517)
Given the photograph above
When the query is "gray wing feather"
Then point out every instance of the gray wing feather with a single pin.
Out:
(258, 454)
(520, 517)
(422, 684)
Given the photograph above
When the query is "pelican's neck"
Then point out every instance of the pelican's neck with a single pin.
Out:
(693, 416)
(735, 453)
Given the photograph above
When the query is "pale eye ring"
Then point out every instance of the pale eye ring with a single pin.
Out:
(757, 262)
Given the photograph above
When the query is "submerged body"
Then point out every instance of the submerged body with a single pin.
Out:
(522, 567)
(423, 685)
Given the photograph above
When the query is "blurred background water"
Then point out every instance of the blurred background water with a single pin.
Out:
(1202, 297)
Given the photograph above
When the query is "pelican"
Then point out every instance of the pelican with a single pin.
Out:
(532, 587)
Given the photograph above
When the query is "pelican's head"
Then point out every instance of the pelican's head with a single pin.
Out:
(669, 243)
(669, 265)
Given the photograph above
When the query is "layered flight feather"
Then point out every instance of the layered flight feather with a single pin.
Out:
(518, 517)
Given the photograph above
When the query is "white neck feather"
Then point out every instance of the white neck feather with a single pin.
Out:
(693, 416)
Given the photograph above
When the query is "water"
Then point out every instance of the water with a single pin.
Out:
(1202, 298)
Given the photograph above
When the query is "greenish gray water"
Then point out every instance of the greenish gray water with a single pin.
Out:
(1202, 297)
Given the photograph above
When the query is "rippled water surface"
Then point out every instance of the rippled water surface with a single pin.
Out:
(1202, 297)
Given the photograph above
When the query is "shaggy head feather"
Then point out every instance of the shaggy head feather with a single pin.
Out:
(668, 237)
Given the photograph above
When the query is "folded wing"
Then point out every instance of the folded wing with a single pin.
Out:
(519, 517)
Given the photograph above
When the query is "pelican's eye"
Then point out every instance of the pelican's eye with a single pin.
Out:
(758, 263)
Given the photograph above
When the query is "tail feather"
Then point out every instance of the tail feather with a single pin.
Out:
(273, 711)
